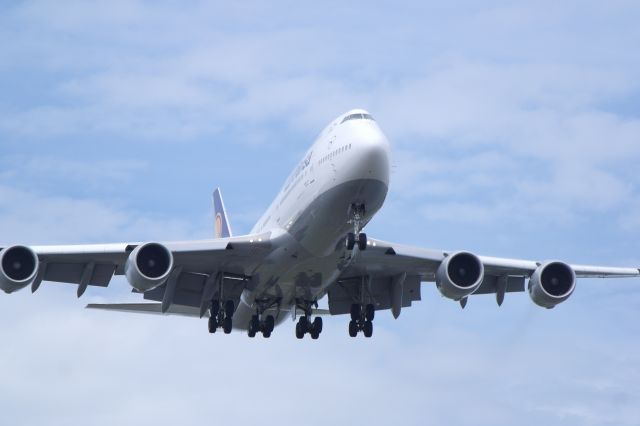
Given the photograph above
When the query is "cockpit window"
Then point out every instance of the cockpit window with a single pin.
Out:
(357, 116)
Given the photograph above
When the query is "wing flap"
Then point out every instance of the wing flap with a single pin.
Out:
(72, 273)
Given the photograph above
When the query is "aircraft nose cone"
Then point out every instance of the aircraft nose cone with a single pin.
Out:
(373, 157)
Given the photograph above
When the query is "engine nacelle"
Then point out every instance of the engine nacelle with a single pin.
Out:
(552, 283)
(459, 275)
(148, 266)
(18, 268)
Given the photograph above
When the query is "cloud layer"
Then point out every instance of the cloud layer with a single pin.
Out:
(516, 131)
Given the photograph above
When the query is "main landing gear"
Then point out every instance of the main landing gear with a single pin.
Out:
(264, 326)
(221, 316)
(305, 325)
(356, 216)
(361, 320)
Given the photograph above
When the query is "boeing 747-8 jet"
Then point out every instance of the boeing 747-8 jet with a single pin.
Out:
(308, 244)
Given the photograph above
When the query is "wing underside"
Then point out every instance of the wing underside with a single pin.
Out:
(374, 275)
(198, 264)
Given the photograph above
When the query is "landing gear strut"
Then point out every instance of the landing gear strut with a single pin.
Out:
(356, 217)
(362, 320)
(305, 325)
(221, 316)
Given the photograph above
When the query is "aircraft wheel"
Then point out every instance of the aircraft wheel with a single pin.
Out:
(317, 326)
(213, 325)
(368, 329)
(350, 241)
(353, 328)
(315, 335)
(227, 325)
(370, 312)
(266, 334)
(254, 326)
(355, 312)
(362, 241)
(229, 308)
(304, 324)
(299, 332)
(269, 323)
(215, 308)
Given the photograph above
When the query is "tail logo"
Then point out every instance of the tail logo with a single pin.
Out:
(218, 225)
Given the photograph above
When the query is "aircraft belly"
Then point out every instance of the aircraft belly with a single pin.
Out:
(321, 227)
(307, 263)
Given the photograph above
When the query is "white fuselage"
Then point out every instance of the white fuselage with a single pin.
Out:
(347, 164)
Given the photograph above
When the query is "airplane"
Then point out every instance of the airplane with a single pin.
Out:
(310, 243)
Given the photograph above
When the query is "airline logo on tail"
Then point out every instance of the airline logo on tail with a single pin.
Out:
(222, 227)
(218, 225)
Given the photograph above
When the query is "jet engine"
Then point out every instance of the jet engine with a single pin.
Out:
(18, 268)
(552, 283)
(459, 275)
(148, 266)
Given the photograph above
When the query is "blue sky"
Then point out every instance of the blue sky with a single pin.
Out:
(516, 132)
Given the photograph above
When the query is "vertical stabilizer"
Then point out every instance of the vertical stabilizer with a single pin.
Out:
(221, 222)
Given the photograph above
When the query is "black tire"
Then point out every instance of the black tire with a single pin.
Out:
(266, 334)
(350, 241)
(227, 325)
(213, 325)
(251, 333)
(317, 326)
(356, 311)
(368, 329)
(269, 323)
(254, 325)
(315, 335)
(299, 332)
(369, 312)
(304, 324)
(353, 328)
(215, 308)
(229, 308)
(362, 241)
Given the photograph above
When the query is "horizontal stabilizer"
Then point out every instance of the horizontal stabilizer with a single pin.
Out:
(156, 309)
(146, 308)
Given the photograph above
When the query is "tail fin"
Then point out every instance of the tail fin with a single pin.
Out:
(222, 227)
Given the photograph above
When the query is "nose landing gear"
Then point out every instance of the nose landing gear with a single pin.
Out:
(356, 217)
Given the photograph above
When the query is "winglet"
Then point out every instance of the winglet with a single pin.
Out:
(221, 222)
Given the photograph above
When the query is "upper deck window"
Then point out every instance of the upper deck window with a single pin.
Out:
(357, 116)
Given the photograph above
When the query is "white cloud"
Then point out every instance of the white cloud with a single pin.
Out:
(505, 136)
(29, 217)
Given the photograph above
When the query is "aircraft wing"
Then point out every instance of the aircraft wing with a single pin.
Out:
(386, 263)
(96, 264)
(382, 257)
